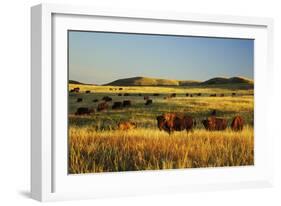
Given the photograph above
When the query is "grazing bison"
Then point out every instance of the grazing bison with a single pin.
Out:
(79, 99)
(76, 89)
(233, 94)
(156, 94)
(222, 95)
(214, 123)
(148, 102)
(83, 111)
(237, 123)
(140, 94)
(191, 95)
(88, 92)
(213, 95)
(170, 122)
(95, 100)
(117, 105)
(173, 95)
(214, 113)
(199, 94)
(126, 94)
(146, 97)
(187, 94)
(119, 94)
(107, 98)
(120, 88)
(102, 106)
(110, 89)
(126, 125)
(127, 103)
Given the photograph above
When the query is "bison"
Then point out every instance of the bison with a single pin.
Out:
(171, 122)
(214, 113)
(222, 95)
(126, 125)
(148, 102)
(199, 94)
(213, 123)
(187, 94)
(173, 95)
(102, 106)
(119, 94)
(84, 111)
(95, 100)
(213, 95)
(146, 97)
(117, 105)
(107, 98)
(233, 94)
(120, 88)
(126, 94)
(156, 94)
(88, 92)
(126, 103)
(79, 99)
(237, 123)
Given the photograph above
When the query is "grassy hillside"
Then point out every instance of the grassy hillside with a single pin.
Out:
(232, 80)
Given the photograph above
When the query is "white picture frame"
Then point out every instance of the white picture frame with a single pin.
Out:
(49, 178)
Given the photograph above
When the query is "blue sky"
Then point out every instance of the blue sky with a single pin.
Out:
(99, 57)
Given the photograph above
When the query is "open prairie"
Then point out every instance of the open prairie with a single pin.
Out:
(97, 145)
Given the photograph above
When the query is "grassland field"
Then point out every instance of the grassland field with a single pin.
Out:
(96, 145)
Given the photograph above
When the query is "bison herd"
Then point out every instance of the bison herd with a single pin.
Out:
(168, 122)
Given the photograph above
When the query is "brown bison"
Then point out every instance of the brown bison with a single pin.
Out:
(79, 99)
(107, 98)
(214, 123)
(237, 123)
(102, 106)
(170, 122)
(146, 97)
(120, 88)
(127, 103)
(156, 94)
(233, 94)
(126, 94)
(187, 94)
(173, 95)
(191, 95)
(76, 89)
(213, 95)
(117, 105)
(88, 92)
(126, 125)
(222, 95)
(199, 94)
(119, 94)
(84, 111)
(148, 102)
(95, 100)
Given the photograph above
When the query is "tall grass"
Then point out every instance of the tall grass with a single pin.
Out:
(148, 149)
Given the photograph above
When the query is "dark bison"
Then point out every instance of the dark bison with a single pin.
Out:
(140, 94)
(148, 102)
(102, 106)
(126, 94)
(199, 94)
(214, 113)
(146, 97)
(170, 122)
(117, 105)
(95, 100)
(233, 94)
(119, 94)
(222, 95)
(156, 94)
(214, 123)
(83, 111)
(237, 123)
(120, 88)
(79, 99)
(191, 95)
(127, 103)
(107, 98)
(76, 89)
(110, 89)
(187, 94)
(88, 92)
(126, 125)
(213, 95)
(173, 95)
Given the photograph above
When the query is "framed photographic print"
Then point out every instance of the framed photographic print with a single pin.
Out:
(137, 102)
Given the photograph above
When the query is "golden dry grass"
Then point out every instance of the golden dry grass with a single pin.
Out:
(146, 149)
